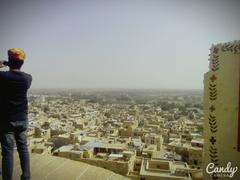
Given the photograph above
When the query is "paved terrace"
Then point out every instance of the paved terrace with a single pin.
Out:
(46, 167)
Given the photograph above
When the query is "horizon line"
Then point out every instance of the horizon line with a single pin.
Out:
(107, 88)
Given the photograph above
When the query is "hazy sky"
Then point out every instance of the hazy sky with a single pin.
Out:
(117, 43)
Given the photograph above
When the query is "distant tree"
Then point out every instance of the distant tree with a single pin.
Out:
(56, 115)
(166, 106)
(141, 123)
(176, 116)
(64, 116)
(191, 115)
(46, 109)
(107, 114)
(199, 106)
(200, 129)
(45, 125)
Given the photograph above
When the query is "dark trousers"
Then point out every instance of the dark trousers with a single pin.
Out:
(7, 136)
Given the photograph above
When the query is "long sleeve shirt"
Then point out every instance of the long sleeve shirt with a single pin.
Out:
(13, 96)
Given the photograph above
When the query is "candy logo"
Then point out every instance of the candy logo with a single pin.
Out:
(227, 171)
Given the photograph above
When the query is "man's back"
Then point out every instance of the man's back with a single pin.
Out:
(14, 86)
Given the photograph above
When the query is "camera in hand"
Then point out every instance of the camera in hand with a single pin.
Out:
(6, 63)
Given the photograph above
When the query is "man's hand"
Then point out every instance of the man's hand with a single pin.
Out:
(1, 64)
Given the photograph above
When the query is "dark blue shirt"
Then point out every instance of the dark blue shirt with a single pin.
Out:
(13, 96)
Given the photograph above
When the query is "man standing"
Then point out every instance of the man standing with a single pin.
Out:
(14, 85)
